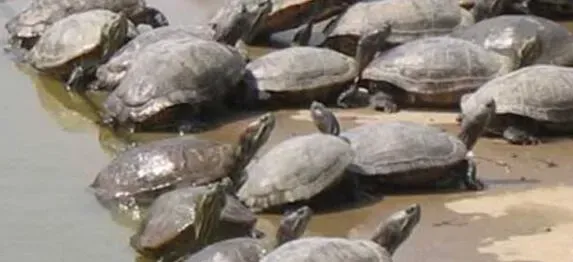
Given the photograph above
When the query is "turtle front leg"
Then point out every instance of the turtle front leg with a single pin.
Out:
(382, 101)
(469, 177)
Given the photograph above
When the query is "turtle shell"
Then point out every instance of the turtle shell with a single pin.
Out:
(408, 20)
(523, 92)
(233, 250)
(172, 222)
(39, 15)
(318, 249)
(432, 68)
(143, 173)
(514, 30)
(298, 70)
(295, 169)
(289, 14)
(111, 73)
(401, 147)
(77, 36)
(174, 72)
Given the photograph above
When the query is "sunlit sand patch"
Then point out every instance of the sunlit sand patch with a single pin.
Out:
(498, 205)
(362, 117)
(555, 245)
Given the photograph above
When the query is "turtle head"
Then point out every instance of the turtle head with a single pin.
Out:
(293, 224)
(152, 17)
(209, 210)
(324, 120)
(392, 232)
(231, 23)
(474, 122)
(113, 35)
(368, 44)
(252, 139)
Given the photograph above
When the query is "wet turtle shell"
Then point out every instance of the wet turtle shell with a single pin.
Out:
(379, 247)
(39, 15)
(512, 31)
(404, 153)
(83, 38)
(300, 75)
(434, 71)
(187, 73)
(139, 175)
(547, 100)
(289, 14)
(110, 74)
(144, 172)
(180, 222)
(408, 19)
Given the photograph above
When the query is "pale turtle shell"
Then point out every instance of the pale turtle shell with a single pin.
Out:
(301, 68)
(295, 169)
(72, 37)
(541, 92)
(321, 249)
(396, 147)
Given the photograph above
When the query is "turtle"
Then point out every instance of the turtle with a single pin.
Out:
(302, 74)
(299, 168)
(532, 101)
(434, 71)
(245, 249)
(75, 45)
(402, 154)
(408, 19)
(175, 82)
(225, 31)
(135, 177)
(378, 247)
(168, 233)
(25, 28)
(290, 14)
(500, 32)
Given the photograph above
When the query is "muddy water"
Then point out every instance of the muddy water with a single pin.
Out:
(50, 151)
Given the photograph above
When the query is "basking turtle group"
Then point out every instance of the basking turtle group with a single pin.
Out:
(503, 64)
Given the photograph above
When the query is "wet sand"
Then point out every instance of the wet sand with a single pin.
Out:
(51, 152)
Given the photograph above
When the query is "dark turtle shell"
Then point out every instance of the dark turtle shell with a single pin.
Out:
(110, 74)
(180, 222)
(175, 73)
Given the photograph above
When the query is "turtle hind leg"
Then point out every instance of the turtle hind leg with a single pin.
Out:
(519, 136)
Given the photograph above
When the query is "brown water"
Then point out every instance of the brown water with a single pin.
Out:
(51, 151)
